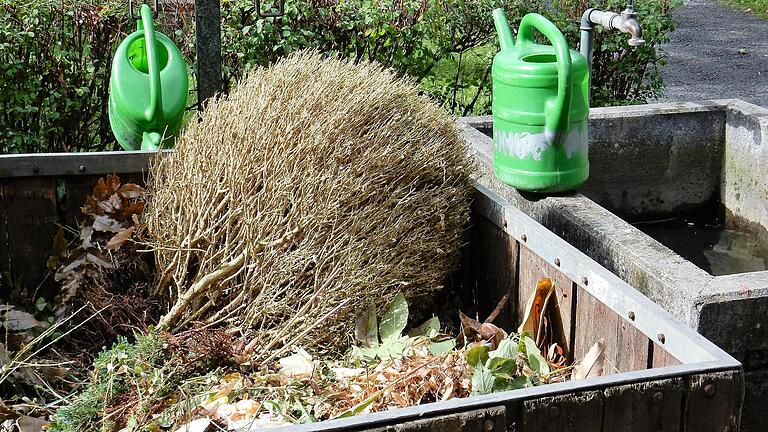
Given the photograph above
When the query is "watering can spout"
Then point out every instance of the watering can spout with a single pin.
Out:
(502, 29)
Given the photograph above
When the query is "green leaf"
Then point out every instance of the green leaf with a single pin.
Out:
(442, 347)
(477, 355)
(506, 349)
(429, 329)
(390, 348)
(395, 319)
(482, 380)
(537, 362)
(504, 368)
(511, 384)
(366, 328)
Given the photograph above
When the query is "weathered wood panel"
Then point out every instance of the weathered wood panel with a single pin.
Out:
(30, 218)
(579, 412)
(633, 348)
(595, 320)
(644, 407)
(532, 269)
(714, 401)
(490, 271)
(661, 358)
(485, 420)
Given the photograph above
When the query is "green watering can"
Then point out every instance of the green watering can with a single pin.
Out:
(148, 89)
(540, 109)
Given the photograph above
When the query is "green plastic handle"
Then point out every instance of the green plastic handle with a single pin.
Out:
(558, 111)
(502, 29)
(155, 110)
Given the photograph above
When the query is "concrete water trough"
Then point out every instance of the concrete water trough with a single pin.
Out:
(677, 206)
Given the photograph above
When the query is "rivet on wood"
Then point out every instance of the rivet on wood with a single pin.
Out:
(631, 315)
(658, 397)
(709, 390)
(488, 425)
(505, 223)
(524, 238)
(36, 169)
(81, 168)
(585, 281)
(661, 337)
(553, 412)
(557, 262)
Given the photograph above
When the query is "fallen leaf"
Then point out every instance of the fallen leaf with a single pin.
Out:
(131, 190)
(469, 322)
(30, 424)
(17, 320)
(535, 307)
(592, 364)
(105, 223)
(492, 334)
(297, 365)
(366, 328)
(199, 425)
(120, 238)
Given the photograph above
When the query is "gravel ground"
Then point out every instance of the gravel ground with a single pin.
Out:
(717, 53)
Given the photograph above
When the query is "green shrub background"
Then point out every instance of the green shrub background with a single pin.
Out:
(55, 55)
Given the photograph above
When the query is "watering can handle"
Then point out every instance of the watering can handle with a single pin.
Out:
(155, 109)
(558, 110)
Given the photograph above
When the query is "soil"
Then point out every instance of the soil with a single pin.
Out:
(717, 53)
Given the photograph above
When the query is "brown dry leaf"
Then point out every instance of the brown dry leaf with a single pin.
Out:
(492, 334)
(535, 307)
(592, 364)
(112, 184)
(105, 223)
(118, 239)
(31, 424)
(15, 320)
(131, 191)
(469, 322)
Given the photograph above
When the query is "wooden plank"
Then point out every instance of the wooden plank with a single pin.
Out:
(595, 320)
(532, 269)
(31, 218)
(662, 358)
(714, 401)
(576, 412)
(644, 407)
(489, 271)
(632, 348)
(90, 163)
(484, 420)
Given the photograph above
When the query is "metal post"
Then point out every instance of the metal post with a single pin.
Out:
(208, 44)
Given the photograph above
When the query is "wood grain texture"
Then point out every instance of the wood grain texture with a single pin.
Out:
(489, 271)
(595, 321)
(580, 412)
(632, 346)
(532, 269)
(644, 407)
(485, 420)
(662, 358)
(714, 401)
(30, 218)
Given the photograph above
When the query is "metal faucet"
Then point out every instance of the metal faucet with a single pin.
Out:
(626, 22)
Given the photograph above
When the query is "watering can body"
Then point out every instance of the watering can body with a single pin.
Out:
(540, 109)
(148, 88)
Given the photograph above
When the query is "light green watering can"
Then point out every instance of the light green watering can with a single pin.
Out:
(540, 109)
(148, 89)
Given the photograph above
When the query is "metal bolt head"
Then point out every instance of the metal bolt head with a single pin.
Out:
(661, 337)
(557, 262)
(553, 413)
(658, 397)
(631, 315)
(36, 169)
(81, 168)
(709, 390)
(524, 238)
(488, 425)
(585, 281)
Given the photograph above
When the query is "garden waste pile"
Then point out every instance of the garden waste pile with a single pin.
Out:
(268, 274)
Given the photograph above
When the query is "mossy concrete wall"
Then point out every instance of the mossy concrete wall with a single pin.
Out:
(665, 160)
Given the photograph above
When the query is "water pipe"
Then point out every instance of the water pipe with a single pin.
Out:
(626, 22)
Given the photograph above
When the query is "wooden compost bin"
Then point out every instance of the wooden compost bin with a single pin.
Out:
(661, 376)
